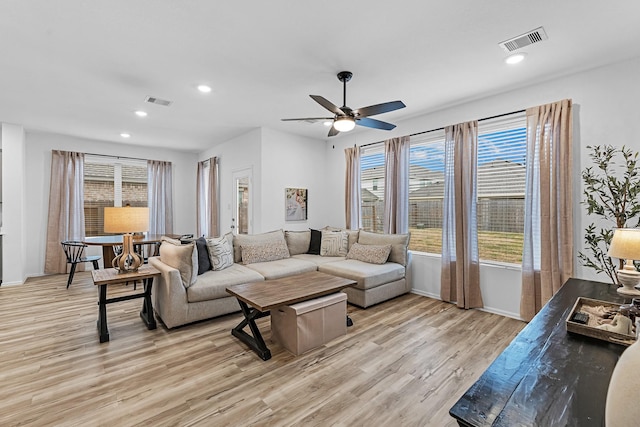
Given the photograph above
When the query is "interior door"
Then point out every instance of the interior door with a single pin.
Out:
(242, 215)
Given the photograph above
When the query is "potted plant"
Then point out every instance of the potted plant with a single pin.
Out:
(611, 190)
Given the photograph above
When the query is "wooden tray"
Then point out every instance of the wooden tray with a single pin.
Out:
(590, 331)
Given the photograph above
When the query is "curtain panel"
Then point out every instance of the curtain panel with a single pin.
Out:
(396, 185)
(547, 258)
(212, 215)
(66, 207)
(207, 201)
(353, 191)
(460, 276)
(160, 197)
(201, 200)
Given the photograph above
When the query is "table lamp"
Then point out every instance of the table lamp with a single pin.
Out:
(625, 245)
(126, 220)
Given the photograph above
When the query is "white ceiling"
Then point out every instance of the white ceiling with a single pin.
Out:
(82, 67)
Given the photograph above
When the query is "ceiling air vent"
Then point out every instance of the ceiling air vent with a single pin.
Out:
(531, 37)
(157, 101)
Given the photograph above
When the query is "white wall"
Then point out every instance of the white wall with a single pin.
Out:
(38, 164)
(237, 154)
(278, 160)
(14, 193)
(291, 161)
(606, 112)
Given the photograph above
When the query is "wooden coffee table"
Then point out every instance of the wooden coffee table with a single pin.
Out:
(258, 298)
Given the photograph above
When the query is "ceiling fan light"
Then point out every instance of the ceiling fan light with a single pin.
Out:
(344, 124)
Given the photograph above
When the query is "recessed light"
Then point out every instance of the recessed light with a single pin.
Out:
(141, 113)
(204, 88)
(125, 135)
(515, 58)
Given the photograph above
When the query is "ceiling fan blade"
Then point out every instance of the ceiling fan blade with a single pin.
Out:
(372, 110)
(333, 131)
(373, 123)
(308, 119)
(327, 104)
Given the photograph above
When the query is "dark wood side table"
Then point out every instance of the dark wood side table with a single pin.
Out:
(110, 276)
(547, 376)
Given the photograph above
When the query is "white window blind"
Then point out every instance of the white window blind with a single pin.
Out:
(372, 183)
(502, 148)
(111, 181)
(426, 191)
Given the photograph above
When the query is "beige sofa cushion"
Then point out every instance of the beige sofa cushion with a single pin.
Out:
(282, 268)
(398, 242)
(317, 259)
(184, 258)
(213, 284)
(373, 254)
(254, 239)
(367, 275)
(298, 241)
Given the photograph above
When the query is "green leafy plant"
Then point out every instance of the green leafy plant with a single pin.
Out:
(611, 192)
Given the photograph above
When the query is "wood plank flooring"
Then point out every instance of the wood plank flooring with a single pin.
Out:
(404, 363)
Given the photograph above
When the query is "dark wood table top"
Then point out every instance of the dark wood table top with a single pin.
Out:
(110, 276)
(267, 295)
(546, 376)
(117, 239)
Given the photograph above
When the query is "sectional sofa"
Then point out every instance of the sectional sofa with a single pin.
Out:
(194, 276)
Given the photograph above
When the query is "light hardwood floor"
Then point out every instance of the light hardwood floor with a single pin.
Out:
(405, 362)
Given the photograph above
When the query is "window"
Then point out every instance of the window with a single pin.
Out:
(372, 182)
(502, 149)
(426, 191)
(500, 180)
(111, 181)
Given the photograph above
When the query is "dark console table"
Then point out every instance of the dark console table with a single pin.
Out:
(546, 376)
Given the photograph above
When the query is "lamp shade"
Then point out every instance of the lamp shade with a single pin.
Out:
(126, 220)
(625, 244)
(344, 124)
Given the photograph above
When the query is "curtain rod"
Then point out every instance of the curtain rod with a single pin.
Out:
(118, 157)
(442, 128)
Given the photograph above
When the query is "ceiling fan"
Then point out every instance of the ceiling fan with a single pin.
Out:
(345, 118)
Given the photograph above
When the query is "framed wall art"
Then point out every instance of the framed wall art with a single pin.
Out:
(296, 202)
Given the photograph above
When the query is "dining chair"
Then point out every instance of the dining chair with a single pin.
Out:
(74, 252)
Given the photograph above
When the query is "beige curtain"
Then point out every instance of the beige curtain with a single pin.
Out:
(160, 197)
(66, 207)
(547, 259)
(352, 190)
(207, 202)
(460, 277)
(201, 200)
(396, 185)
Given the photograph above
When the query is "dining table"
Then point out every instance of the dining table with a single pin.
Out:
(108, 242)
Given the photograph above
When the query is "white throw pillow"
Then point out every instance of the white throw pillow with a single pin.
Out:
(334, 243)
(220, 253)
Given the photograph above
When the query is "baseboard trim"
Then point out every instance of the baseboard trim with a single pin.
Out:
(486, 309)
